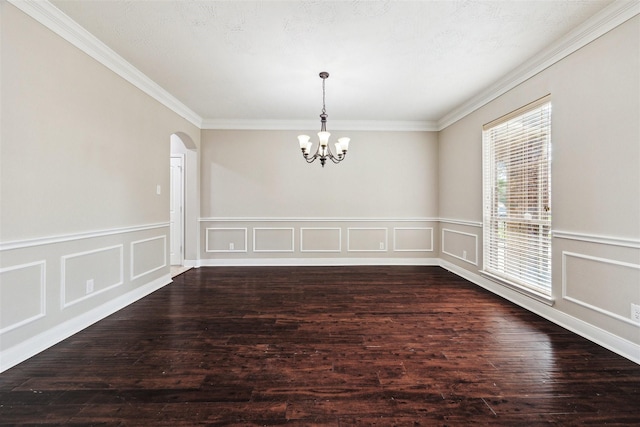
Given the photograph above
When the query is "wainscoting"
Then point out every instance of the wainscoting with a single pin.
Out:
(310, 241)
(598, 278)
(595, 281)
(54, 287)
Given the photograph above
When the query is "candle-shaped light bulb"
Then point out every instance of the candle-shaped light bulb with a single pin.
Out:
(324, 138)
(344, 143)
(303, 140)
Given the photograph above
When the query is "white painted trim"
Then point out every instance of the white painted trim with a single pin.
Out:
(593, 333)
(316, 262)
(63, 280)
(54, 19)
(585, 304)
(385, 243)
(183, 205)
(524, 290)
(395, 249)
(604, 21)
(338, 125)
(475, 236)
(275, 250)
(302, 249)
(131, 256)
(461, 222)
(28, 243)
(193, 263)
(206, 238)
(43, 294)
(57, 21)
(34, 345)
(596, 238)
(308, 219)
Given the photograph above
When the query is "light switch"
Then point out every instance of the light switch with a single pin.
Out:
(158, 189)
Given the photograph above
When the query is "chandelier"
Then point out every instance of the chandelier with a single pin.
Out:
(323, 152)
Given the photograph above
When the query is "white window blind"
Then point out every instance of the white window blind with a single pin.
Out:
(517, 197)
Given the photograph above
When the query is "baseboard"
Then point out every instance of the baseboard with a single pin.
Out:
(586, 330)
(29, 348)
(312, 262)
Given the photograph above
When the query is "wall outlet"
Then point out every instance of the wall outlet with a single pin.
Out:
(464, 254)
(89, 286)
(635, 312)
(231, 246)
(382, 245)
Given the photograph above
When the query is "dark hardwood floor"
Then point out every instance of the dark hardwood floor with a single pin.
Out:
(334, 346)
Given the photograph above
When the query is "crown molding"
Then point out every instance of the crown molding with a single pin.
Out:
(352, 125)
(54, 19)
(604, 21)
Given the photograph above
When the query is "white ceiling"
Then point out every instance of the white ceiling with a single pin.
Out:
(396, 61)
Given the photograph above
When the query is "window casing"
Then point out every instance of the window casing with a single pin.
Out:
(517, 198)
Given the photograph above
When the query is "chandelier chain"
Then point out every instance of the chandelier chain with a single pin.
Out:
(324, 110)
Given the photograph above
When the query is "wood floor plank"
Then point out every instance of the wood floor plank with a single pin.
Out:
(330, 346)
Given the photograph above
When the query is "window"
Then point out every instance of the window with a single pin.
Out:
(517, 198)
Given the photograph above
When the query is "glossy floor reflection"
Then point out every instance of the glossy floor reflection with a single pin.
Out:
(333, 346)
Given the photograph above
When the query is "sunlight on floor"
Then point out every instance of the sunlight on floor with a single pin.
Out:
(178, 269)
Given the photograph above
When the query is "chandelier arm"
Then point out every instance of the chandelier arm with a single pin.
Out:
(330, 155)
(336, 159)
(310, 158)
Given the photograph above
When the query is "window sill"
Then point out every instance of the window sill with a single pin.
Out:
(538, 296)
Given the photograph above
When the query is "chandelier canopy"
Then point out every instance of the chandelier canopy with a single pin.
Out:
(323, 152)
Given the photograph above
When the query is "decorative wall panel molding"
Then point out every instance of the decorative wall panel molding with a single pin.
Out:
(84, 275)
(28, 243)
(360, 239)
(316, 235)
(225, 239)
(460, 245)
(320, 239)
(273, 239)
(413, 239)
(88, 276)
(148, 255)
(595, 273)
(22, 295)
(460, 222)
(591, 332)
(313, 219)
(33, 345)
(595, 238)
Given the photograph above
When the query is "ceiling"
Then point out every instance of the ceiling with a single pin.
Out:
(393, 61)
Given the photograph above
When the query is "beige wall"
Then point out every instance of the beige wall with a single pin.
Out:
(82, 152)
(263, 174)
(595, 94)
(380, 202)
